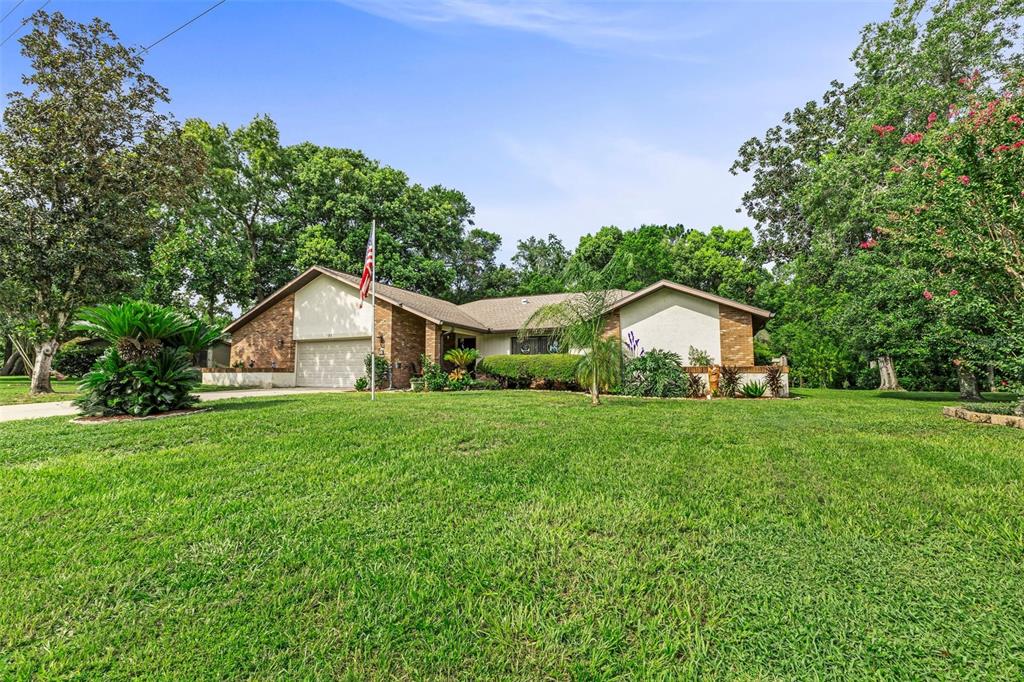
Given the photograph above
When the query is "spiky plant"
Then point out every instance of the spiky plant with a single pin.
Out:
(578, 324)
(462, 358)
(137, 329)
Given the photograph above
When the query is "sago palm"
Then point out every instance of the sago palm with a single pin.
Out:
(462, 358)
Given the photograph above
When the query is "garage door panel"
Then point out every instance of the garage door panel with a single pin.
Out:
(336, 363)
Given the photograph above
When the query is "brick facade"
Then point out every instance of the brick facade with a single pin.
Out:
(613, 325)
(404, 340)
(736, 336)
(267, 341)
(432, 341)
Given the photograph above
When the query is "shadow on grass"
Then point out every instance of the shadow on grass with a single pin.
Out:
(941, 396)
(244, 404)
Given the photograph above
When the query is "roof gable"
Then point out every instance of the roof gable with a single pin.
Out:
(721, 300)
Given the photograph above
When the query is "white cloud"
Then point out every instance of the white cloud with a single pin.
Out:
(580, 24)
(590, 181)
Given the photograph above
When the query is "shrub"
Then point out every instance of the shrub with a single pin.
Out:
(148, 366)
(75, 359)
(520, 371)
(695, 386)
(773, 380)
(434, 377)
(656, 373)
(699, 358)
(383, 369)
(362, 383)
(462, 358)
(754, 389)
(729, 381)
(991, 408)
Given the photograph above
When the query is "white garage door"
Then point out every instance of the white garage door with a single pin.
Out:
(330, 363)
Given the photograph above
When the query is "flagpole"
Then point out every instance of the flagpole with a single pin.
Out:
(373, 305)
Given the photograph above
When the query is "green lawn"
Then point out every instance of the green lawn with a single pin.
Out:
(14, 391)
(515, 534)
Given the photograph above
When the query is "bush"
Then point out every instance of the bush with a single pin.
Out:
(695, 386)
(656, 373)
(383, 369)
(699, 358)
(434, 377)
(148, 366)
(362, 383)
(773, 380)
(729, 381)
(75, 359)
(754, 389)
(140, 387)
(520, 371)
(991, 408)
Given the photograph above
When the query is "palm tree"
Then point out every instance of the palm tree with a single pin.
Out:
(462, 358)
(578, 323)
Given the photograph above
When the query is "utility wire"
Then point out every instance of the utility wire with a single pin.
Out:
(23, 22)
(11, 11)
(196, 17)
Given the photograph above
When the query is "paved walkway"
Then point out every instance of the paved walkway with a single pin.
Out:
(65, 408)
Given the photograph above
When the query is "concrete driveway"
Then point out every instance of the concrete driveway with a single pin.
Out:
(65, 408)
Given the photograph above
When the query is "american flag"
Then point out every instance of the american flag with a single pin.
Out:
(367, 278)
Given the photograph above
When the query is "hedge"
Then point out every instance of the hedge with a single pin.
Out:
(524, 370)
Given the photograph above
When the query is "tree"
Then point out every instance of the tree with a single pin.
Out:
(84, 158)
(579, 323)
(539, 265)
(477, 273)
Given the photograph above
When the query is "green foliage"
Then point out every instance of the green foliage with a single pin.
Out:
(695, 386)
(656, 373)
(699, 358)
(362, 384)
(74, 358)
(379, 367)
(728, 381)
(434, 376)
(152, 384)
(992, 408)
(519, 371)
(753, 389)
(773, 378)
(462, 358)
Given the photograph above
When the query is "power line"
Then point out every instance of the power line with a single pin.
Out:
(23, 22)
(196, 17)
(11, 11)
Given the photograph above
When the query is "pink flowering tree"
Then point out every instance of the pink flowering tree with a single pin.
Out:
(955, 194)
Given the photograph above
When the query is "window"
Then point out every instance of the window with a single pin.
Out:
(534, 345)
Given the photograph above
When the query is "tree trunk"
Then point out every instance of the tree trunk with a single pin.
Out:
(594, 399)
(968, 384)
(991, 378)
(41, 372)
(9, 366)
(887, 374)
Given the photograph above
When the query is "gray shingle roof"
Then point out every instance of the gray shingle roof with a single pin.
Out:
(508, 314)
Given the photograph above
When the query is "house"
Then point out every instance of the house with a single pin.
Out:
(313, 331)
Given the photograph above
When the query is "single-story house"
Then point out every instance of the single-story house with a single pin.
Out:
(313, 332)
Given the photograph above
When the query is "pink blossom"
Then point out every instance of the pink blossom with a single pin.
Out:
(964, 180)
(1001, 148)
(928, 295)
(1016, 119)
(896, 169)
(1018, 144)
(953, 292)
(882, 130)
(912, 138)
(931, 119)
(868, 243)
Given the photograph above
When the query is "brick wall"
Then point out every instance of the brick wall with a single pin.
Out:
(432, 341)
(613, 325)
(737, 336)
(404, 340)
(267, 340)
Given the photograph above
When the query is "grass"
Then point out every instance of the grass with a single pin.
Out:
(14, 391)
(515, 534)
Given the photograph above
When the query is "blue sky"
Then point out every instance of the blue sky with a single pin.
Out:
(551, 116)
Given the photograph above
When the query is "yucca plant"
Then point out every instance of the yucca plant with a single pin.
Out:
(754, 389)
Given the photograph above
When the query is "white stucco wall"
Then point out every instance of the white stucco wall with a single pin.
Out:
(494, 344)
(674, 321)
(327, 309)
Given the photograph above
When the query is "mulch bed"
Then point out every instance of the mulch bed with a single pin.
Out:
(132, 418)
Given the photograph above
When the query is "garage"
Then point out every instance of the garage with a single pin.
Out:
(336, 363)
